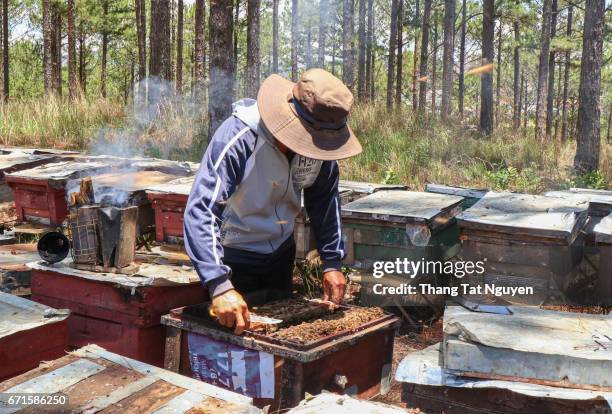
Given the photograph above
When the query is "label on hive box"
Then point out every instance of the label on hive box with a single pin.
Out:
(242, 370)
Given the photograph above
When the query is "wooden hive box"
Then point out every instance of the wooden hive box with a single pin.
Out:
(91, 380)
(169, 201)
(559, 349)
(40, 192)
(279, 372)
(391, 224)
(29, 333)
(120, 312)
(524, 240)
(435, 390)
(603, 237)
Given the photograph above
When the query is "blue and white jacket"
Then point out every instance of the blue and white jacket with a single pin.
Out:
(247, 195)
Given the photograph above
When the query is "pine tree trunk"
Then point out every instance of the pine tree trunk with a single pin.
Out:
(525, 116)
(588, 124)
(56, 53)
(558, 101)
(348, 16)
(551, 73)
(48, 40)
(323, 18)
(516, 105)
(275, 36)
(199, 46)
(486, 79)
(424, 51)
(392, 51)
(361, 59)
(72, 73)
(253, 60)
(498, 67)
(448, 62)
(5, 46)
(308, 45)
(179, 46)
(570, 13)
(221, 88)
(462, 58)
(235, 45)
(540, 122)
(519, 104)
(434, 63)
(104, 59)
(415, 60)
(400, 53)
(369, 45)
(294, 39)
(141, 36)
(159, 59)
(82, 62)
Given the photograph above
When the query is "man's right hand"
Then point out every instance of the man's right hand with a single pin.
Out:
(231, 309)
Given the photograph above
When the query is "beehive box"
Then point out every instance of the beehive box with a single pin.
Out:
(169, 201)
(277, 369)
(427, 385)
(525, 240)
(29, 333)
(400, 224)
(603, 237)
(92, 380)
(40, 192)
(119, 312)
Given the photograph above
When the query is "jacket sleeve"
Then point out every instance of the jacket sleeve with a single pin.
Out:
(220, 173)
(323, 207)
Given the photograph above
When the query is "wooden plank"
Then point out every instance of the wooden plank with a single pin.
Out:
(172, 356)
(181, 403)
(55, 381)
(146, 400)
(117, 395)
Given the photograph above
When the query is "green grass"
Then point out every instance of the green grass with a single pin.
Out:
(398, 148)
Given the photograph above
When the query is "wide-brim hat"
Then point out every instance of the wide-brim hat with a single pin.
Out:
(309, 117)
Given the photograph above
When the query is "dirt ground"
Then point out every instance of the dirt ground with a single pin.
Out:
(7, 213)
(406, 343)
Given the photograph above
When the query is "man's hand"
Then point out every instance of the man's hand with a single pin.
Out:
(231, 309)
(334, 285)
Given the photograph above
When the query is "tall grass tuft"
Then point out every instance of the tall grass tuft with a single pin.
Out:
(56, 122)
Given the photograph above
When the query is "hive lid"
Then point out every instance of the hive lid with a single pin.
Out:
(18, 314)
(599, 202)
(425, 368)
(65, 170)
(403, 206)
(525, 214)
(368, 188)
(181, 186)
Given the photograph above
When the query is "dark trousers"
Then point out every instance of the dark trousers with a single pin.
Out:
(258, 272)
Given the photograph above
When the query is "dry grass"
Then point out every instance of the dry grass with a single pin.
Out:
(398, 148)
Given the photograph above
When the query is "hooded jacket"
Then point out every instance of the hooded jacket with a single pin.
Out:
(247, 194)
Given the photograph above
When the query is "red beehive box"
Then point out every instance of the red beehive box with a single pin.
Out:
(40, 192)
(169, 202)
(118, 312)
(29, 333)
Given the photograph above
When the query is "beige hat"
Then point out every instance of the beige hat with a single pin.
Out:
(310, 116)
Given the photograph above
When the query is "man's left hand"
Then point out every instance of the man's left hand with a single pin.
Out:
(334, 285)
